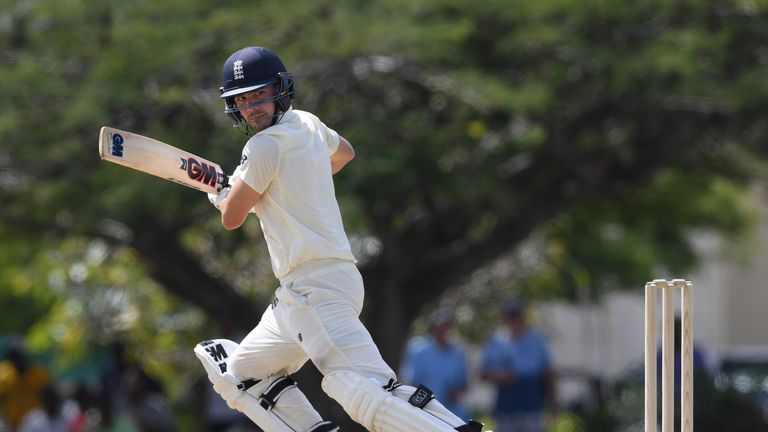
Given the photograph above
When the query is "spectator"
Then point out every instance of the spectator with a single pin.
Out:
(130, 399)
(517, 361)
(48, 417)
(147, 408)
(110, 400)
(438, 363)
(86, 417)
(21, 383)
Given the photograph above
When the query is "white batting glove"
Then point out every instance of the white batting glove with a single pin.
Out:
(216, 199)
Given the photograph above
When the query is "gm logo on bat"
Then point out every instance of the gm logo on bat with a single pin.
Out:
(203, 172)
(117, 145)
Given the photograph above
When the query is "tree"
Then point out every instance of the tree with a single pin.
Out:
(609, 130)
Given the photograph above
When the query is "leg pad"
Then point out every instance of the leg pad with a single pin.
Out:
(369, 404)
(275, 404)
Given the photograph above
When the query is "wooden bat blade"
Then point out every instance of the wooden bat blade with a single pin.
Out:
(160, 159)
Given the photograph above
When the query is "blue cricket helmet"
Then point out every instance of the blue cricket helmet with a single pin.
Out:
(252, 68)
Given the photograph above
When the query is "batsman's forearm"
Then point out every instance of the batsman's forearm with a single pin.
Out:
(236, 206)
(337, 166)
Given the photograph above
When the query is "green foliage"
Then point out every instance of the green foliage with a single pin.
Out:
(615, 131)
(605, 247)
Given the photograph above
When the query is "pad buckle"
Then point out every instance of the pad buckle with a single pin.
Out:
(245, 385)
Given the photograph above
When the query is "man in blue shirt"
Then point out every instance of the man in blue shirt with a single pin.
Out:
(517, 361)
(438, 363)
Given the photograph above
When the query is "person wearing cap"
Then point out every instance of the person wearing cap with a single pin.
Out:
(517, 361)
(436, 361)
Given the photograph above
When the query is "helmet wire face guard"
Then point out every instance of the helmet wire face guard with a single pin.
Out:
(250, 69)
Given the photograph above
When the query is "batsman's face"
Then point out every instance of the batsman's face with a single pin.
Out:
(257, 107)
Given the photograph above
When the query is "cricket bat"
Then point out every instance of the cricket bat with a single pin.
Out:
(160, 159)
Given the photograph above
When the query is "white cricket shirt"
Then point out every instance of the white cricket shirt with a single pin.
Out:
(289, 164)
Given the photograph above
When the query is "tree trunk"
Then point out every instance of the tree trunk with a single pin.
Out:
(181, 274)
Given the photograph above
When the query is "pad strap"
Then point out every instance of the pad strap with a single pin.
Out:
(392, 384)
(472, 426)
(269, 398)
(325, 426)
(421, 397)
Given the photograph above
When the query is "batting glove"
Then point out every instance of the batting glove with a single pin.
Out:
(216, 199)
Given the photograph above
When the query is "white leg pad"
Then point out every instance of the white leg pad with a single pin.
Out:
(369, 404)
(275, 404)
(214, 354)
(434, 407)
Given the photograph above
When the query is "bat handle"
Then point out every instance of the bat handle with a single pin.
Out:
(222, 180)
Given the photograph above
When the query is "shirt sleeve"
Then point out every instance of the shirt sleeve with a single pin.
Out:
(331, 138)
(258, 164)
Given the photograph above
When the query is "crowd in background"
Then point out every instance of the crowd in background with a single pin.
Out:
(125, 398)
(516, 360)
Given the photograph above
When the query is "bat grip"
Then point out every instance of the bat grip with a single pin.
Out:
(222, 180)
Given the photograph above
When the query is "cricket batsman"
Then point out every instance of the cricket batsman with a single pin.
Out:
(285, 178)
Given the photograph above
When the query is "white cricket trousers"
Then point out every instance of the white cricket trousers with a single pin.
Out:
(315, 316)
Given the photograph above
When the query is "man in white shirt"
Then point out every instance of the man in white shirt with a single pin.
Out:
(285, 178)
